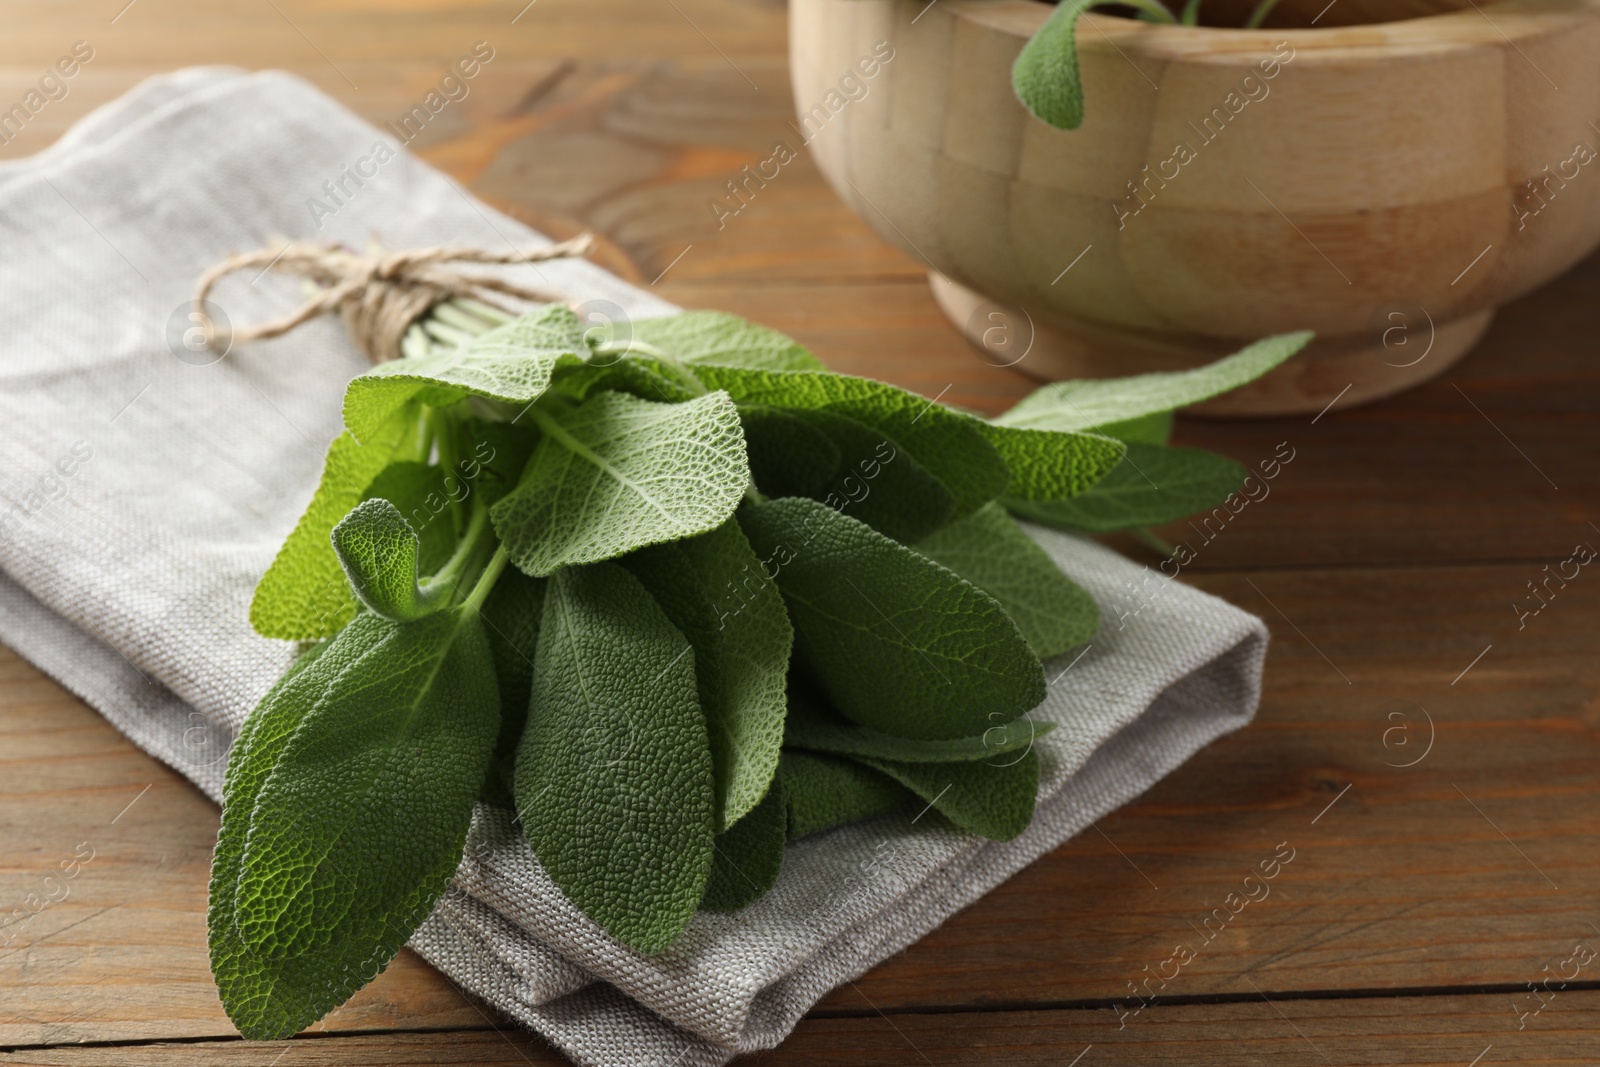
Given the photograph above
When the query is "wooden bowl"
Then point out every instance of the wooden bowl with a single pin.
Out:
(1388, 184)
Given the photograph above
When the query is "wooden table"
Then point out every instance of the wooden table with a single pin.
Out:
(1431, 763)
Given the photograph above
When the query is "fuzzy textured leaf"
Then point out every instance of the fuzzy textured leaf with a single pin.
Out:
(393, 750)
(379, 552)
(1085, 404)
(717, 337)
(749, 854)
(1050, 465)
(511, 618)
(304, 594)
(614, 782)
(789, 454)
(992, 552)
(992, 799)
(1154, 485)
(713, 590)
(825, 791)
(642, 376)
(896, 641)
(1045, 75)
(818, 729)
(950, 445)
(511, 363)
(359, 711)
(418, 491)
(847, 465)
(878, 482)
(619, 473)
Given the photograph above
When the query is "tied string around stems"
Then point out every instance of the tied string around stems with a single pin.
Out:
(380, 296)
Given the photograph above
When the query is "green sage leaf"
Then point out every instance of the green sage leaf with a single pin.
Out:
(824, 791)
(897, 642)
(789, 454)
(1152, 429)
(1052, 465)
(952, 446)
(511, 363)
(345, 810)
(360, 826)
(304, 594)
(992, 799)
(992, 552)
(712, 589)
(1085, 404)
(422, 493)
(511, 618)
(816, 728)
(1045, 76)
(1154, 485)
(847, 465)
(749, 854)
(619, 473)
(717, 337)
(642, 376)
(378, 550)
(878, 482)
(614, 780)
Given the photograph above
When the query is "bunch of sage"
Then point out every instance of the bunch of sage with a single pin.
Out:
(675, 594)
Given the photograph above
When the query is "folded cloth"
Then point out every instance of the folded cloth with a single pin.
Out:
(144, 489)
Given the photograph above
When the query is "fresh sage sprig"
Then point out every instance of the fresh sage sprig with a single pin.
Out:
(673, 593)
(1045, 75)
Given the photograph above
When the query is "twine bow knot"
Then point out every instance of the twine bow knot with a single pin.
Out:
(380, 296)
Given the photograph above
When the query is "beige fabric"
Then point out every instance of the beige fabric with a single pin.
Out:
(141, 496)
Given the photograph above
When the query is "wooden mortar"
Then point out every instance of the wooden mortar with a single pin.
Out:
(1389, 185)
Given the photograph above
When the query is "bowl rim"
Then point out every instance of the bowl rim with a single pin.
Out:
(1533, 16)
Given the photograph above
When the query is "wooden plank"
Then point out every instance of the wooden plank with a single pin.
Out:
(1419, 1031)
(478, 1048)
(1438, 1031)
(1442, 873)
(1406, 881)
(174, 33)
(1425, 876)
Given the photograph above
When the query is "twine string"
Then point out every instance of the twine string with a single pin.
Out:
(380, 296)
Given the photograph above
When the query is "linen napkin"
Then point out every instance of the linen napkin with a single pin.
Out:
(144, 488)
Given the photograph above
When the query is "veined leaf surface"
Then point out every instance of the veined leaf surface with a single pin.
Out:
(897, 642)
(511, 363)
(1085, 404)
(381, 736)
(619, 473)
(992, 552)
(950, 445)
(614, 781)
(727, 340)
(1153, 485)
(304, 594)
(713, 590)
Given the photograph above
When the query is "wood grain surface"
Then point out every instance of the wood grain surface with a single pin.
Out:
(1429, 757)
